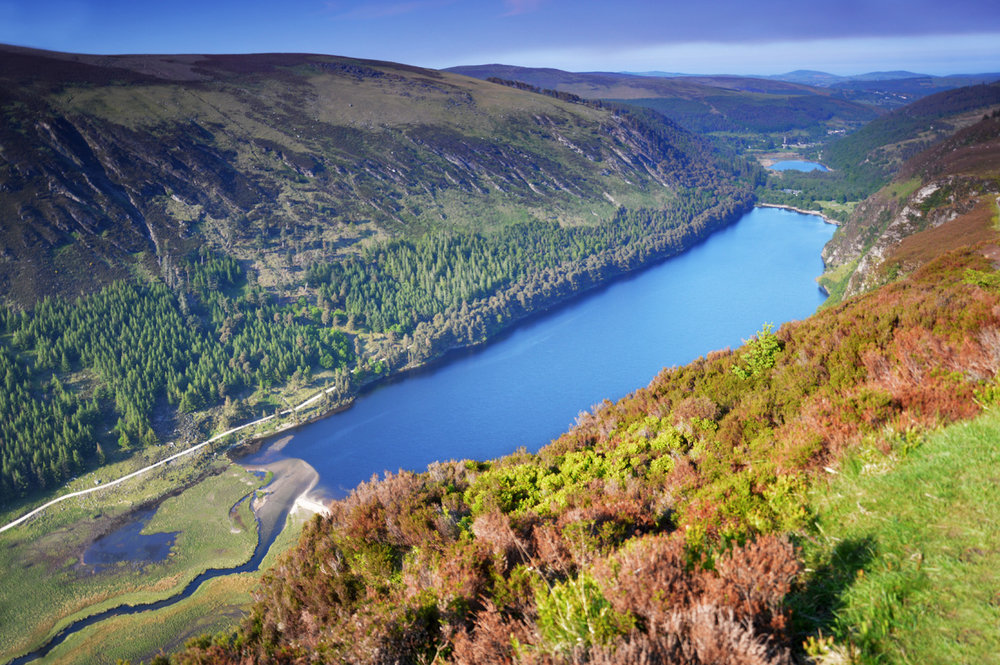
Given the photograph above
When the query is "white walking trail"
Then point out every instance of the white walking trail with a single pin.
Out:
(143, 470)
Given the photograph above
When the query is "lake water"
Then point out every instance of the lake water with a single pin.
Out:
(529, 386)
(797, 165)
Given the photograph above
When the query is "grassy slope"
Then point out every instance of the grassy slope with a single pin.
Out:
(905, 552)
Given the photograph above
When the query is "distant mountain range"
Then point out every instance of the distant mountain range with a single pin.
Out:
(890, 89)
(738, 109)
(826, 79)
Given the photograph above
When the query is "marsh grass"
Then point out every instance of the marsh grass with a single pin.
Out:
(45, 587)
(217, 606)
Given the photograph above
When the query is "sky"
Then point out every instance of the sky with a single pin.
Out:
(689, 36)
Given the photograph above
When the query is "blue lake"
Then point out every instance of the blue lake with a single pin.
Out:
(797, 165)
(528, 387)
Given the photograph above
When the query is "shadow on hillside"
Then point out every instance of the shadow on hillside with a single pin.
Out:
(816, 602)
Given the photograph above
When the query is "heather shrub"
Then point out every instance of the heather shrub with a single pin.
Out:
(494, 638)
(753, 581)
(649, 577)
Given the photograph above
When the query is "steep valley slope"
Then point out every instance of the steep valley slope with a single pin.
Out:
(110, 163)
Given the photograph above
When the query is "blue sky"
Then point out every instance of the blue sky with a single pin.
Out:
(707, 36)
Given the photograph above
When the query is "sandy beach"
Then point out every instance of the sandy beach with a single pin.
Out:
(287, 492)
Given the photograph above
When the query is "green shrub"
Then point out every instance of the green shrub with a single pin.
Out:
(759, 356)
(574, 615)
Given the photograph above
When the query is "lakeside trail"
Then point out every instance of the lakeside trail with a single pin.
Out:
(188, 451)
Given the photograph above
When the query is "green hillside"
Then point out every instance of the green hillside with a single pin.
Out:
(883, 144)
(904, 553)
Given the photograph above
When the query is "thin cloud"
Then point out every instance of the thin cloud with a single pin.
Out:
(516, 7)
(937, 54)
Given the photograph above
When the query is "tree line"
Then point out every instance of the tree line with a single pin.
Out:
(133, 348)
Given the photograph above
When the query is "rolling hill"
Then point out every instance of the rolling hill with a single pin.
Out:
(887, 90)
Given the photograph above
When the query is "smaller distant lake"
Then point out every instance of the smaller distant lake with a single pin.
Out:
(797, 165)
(129, 544)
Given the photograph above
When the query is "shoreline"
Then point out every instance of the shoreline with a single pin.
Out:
(288, 491)
(803, 211)
(615, 273)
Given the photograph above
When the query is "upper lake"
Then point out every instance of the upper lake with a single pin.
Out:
(528, 386)
(797, 165)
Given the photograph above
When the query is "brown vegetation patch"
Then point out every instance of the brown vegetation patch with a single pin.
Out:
(968, 230)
